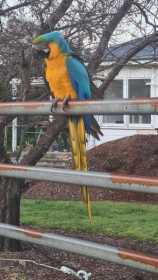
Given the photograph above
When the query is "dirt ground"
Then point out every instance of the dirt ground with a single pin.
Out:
(135, 155)
(100, 270)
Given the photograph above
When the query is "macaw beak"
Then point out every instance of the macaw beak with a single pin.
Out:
(40, 47)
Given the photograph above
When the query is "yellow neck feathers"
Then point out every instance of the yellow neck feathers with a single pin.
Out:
(57, 74)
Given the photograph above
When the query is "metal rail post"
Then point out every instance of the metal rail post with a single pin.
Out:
(98, 107)
(93, 179)
(87, 248)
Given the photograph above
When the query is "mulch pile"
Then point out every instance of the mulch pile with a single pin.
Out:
(135, 155)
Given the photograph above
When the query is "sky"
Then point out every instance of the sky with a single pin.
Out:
(12, 2)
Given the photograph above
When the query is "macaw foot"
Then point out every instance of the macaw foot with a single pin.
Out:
(54, 104)
(65, 102)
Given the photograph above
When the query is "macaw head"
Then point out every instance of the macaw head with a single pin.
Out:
(55, 42)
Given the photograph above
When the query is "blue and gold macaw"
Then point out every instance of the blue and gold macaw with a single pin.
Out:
(68, 79)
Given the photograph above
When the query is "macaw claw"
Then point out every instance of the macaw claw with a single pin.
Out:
(54, 104)
(65, 102)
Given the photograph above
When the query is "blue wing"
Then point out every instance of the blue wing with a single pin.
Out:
(81, 84)
(79, 78)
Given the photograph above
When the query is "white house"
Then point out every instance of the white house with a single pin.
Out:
(139, 78)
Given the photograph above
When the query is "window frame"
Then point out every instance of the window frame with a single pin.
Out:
(140, 125)
(126, 124)
(115, 125)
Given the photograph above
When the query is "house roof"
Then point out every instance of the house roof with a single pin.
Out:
(150, 52)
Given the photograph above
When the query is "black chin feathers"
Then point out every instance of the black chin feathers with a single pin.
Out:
(40, 54)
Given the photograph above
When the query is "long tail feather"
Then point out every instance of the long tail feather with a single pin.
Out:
(78, 145)
(92, 127)
(95, 128)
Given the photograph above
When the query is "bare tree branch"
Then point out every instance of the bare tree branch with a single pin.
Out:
(15, 7)
(138, 5)
(58, 14)
(45, 141)
(96, 58)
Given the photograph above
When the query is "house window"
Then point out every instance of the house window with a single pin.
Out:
(130, 88)
(114, 91)
(139, 88)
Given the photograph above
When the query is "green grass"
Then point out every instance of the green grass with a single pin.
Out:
(134, 220)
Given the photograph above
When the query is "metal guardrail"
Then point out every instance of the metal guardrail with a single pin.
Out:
(104, 180)
(87, 248)
(93, 179)
(98, 107)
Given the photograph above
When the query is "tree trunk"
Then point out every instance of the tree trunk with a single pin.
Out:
(9, 201)
(9, 209)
